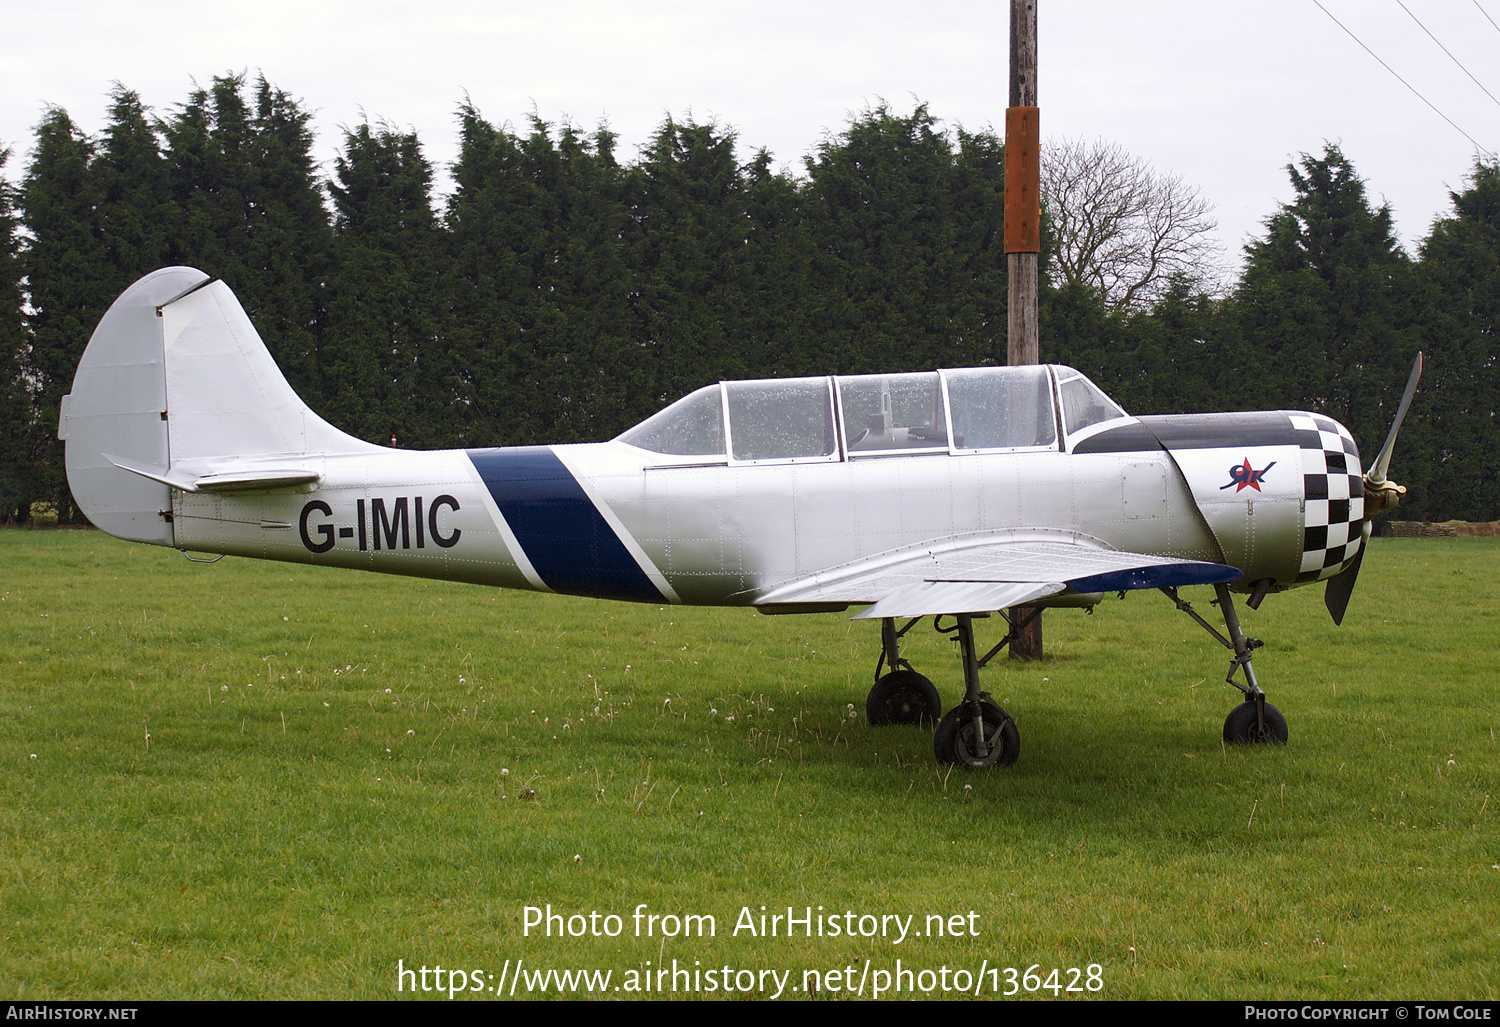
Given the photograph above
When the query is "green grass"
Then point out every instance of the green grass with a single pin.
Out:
(324, 788)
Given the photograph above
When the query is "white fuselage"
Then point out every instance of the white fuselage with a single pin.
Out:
(698, 532)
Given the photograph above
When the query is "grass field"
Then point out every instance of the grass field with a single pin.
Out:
(269, 781)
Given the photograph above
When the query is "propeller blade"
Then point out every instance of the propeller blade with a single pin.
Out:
(1376, 475)
(1379, 496)
(1340, 587)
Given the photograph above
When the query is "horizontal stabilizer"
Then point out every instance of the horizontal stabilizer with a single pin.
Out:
(242, 479)
(160, 474)
(250, 481)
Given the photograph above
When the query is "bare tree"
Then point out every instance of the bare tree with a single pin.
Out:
(1121, 227)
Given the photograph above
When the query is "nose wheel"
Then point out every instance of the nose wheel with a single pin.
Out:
(1254, 721)
(1247, 725)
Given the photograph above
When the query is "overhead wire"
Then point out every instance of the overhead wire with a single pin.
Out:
(1477, 144)
(1486, 15)
(1445, 50)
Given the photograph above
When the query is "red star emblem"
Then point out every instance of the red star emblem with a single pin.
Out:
(1242, 475)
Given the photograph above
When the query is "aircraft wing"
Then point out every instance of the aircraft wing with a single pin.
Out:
(991, 572)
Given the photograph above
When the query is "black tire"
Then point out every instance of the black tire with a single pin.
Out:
(953, 742)
(1242, 728)
(903, 697)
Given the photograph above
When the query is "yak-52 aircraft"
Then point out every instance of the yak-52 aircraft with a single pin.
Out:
(952, 493)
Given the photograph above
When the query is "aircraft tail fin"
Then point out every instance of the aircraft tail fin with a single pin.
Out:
(176, 390)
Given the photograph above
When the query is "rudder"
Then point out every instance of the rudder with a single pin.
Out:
(118, 405)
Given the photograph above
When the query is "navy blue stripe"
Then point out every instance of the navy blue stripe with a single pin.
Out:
(567, 540)
(1170, 575)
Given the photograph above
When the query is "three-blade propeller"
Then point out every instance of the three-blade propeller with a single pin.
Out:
(1381, 494)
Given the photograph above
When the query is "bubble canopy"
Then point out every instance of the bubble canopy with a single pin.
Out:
(976, 410)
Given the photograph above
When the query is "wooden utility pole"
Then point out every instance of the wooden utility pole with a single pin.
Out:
(1023, 184)
(1023, 218)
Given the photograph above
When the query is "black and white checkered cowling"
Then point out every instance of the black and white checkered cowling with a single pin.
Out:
(1335, 496)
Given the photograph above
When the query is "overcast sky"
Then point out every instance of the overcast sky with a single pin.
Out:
(1224, 93)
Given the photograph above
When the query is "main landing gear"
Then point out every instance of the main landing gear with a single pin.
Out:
(1254, 721)
(976, 732)
(902, 696)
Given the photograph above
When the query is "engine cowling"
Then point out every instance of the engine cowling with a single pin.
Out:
(1281, 490)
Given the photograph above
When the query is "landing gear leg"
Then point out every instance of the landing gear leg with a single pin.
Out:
(902, 696)
(1254, 721)
(976, 732)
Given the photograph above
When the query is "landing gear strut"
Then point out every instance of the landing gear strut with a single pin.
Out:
(901, 696)
(1254, 721)
(977, 732)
